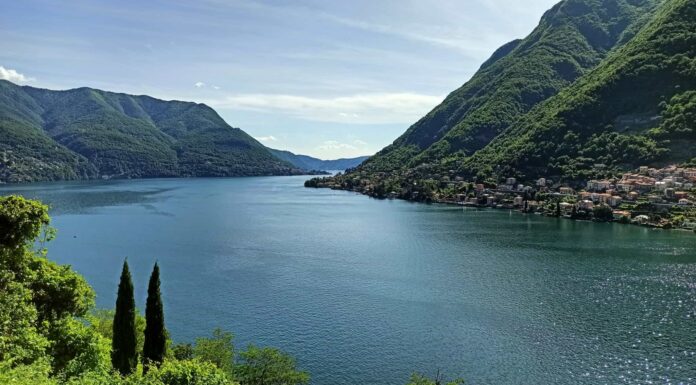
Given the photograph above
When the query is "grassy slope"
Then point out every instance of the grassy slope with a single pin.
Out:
(637, 107)
(83, 133)
(572, 37)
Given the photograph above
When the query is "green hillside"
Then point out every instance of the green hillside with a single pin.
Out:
(572, 38)
(86, 133)
(637, 107)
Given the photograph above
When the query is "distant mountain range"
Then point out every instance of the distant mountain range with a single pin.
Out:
(309, 163)
(86, 133)
(599, 87)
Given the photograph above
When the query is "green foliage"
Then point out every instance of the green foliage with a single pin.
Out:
(602, 213)
(76, 348)
(182, 351)
(20, 339)
(41, 300)
(59, 291)
(21, 221)
(679, 116)
(217, 349)
(154, 348)
(171, 372)
(268, 366)
(124, 356)
(86, 133)
(188, 372)
(37, 373)
(102, 321)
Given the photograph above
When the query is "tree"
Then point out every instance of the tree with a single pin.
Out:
(185, 372)
(124, 356)
(154, 347)
(268, 366)
(182, 351)
(41, 302)
(603, 213)
(102, 321)
(218, 349)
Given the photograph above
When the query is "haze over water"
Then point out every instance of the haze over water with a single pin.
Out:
(364, 291)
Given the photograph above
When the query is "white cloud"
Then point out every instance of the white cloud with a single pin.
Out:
(360, 143)
(199, 84)
(373, 108)
(13, 76)
(269, 138)
(336, 145)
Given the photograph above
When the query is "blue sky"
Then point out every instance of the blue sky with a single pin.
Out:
(325, 78)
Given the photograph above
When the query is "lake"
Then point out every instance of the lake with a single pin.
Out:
(363, 291)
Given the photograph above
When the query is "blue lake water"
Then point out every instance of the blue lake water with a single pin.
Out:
(364, 291)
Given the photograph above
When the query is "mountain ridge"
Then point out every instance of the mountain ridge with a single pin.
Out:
(85, 133)
(307, 162)
(636, 107)
(572, 37)
(604, 118)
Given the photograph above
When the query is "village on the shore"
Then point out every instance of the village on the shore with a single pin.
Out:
(652, 197)
(655, 197)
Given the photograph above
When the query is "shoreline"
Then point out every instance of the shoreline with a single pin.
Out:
(480, 206)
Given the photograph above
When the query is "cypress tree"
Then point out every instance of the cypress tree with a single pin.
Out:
(123, 345)
(155, 333)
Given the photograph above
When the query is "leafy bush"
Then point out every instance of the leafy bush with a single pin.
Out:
(217, 349)
(268, 366)
(188, 372)
(36, 373)
(102, 321)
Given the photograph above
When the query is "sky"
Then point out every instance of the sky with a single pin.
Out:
(326, 78)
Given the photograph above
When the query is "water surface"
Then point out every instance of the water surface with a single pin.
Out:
(364, 291)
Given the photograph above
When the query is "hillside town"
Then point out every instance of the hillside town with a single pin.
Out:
(661, 198)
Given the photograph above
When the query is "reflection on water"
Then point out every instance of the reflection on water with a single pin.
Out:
(82, 197)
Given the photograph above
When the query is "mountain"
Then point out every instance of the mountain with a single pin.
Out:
(571, 39)
(637, 107)
(86, 133)
(597, 88)
(306, 162)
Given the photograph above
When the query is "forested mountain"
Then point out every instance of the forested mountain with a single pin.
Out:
(310, 163)
(87, 133)
(607, 82)
(572, 38)
(637, 107)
